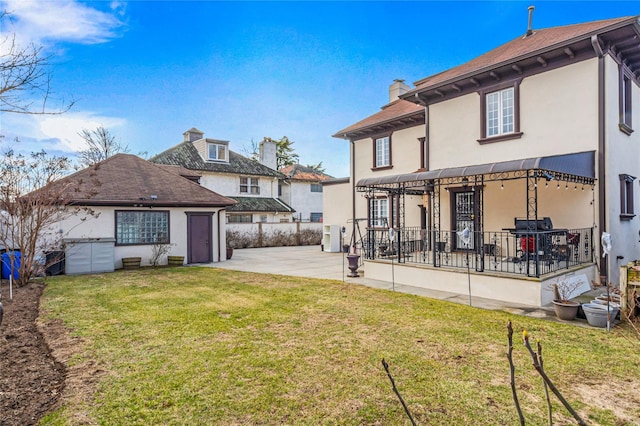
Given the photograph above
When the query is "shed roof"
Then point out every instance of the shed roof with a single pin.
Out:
(125, 179)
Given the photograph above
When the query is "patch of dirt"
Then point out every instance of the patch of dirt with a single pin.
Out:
(31, 379)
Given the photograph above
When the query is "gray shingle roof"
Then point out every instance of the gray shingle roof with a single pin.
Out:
(259, 204)
(186, 155)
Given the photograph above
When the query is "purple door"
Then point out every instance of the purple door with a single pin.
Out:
(199, 238)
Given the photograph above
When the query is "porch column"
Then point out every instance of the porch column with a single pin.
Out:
(532, 213)
(435, 214)
(478, 185)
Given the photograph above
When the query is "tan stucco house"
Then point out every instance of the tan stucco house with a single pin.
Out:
(533, 147)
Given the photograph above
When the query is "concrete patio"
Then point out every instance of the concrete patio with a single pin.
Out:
(310, 261)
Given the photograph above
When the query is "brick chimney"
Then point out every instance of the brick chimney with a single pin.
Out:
(192, 135)
(397, 88)
(268, 153)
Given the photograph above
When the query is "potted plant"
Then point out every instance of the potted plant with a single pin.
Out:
(564, 307)
(230, 245)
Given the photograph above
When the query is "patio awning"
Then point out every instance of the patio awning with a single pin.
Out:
(577, 166)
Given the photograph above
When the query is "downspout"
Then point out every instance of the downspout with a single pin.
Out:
(602, 187)
(220, 234)
(427, 147)
(282, 204)
(353, 189)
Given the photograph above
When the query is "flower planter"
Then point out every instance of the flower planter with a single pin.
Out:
(229, 252)
(566, 310)
(175, 260)
(597, 314)
(131, 262)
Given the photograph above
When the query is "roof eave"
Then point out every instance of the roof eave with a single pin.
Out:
(347, 134)
(411, 94)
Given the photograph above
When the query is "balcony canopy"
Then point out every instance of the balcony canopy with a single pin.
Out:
(577, 167)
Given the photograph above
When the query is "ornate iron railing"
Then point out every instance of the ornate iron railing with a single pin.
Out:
(520, 252)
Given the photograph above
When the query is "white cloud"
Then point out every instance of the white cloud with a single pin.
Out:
(63, 20)
(55, 133)
(65, 128)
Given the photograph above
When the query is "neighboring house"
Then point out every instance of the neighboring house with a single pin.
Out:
(141, 205)
(302, 189)
(540, 127)
(253, 184)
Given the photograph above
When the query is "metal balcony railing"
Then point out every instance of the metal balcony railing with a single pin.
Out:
(520, 252)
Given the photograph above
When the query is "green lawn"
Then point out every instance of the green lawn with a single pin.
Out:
(207, 346)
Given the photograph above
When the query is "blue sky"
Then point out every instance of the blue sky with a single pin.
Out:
(239, 71)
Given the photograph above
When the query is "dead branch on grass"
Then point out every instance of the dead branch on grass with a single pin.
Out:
(393, 385)
(513, 372)
(537, 366)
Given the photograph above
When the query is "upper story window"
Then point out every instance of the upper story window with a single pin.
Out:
(142, 227)
(626, 111)
(500, 112)
(249, 185)
(216, 152)
(382, 152)
(316, 187)
(626, 197)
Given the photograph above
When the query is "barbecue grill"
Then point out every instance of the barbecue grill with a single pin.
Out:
(532, 225)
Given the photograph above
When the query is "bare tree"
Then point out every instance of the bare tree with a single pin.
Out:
(32, 202)
(25, 78)
(101, 144)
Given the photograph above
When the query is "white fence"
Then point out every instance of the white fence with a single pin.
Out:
(273, 234)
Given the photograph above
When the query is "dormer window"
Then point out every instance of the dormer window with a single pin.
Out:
(216, 152)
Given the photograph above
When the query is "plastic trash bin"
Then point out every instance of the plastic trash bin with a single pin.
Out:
(54, 263)
(6, 264)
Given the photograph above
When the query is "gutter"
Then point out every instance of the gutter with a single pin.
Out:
(592, 34)
(283, 205)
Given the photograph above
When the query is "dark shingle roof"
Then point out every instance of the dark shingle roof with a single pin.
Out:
(260, 204)
(186, 155)
(300, 172)
(124, 180)
(396, 110)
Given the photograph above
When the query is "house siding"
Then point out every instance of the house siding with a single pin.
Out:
(622, 156)
(104, 227)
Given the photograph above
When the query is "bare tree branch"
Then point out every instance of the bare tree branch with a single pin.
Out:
(101, 144)
(25, 79)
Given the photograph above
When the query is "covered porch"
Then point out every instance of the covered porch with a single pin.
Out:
(529, 222)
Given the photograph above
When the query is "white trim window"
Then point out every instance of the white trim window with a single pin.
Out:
(379, 212)
(217, 152)
(382, 152)
(500, 112)
(250, 185)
